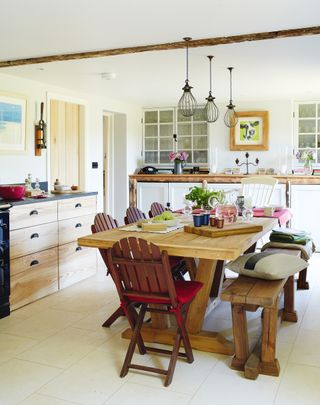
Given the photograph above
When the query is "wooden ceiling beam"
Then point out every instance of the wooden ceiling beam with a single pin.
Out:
(259, 36)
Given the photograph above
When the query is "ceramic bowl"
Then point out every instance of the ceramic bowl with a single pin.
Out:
(12, 192)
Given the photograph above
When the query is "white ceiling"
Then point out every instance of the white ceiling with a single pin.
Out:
(270, 69)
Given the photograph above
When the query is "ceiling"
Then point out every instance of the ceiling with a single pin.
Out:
(271, 69)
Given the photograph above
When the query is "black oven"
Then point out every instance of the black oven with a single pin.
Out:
(4, 264)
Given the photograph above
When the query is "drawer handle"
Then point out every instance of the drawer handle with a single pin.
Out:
(78, 225)
(34, 212)
(34, 262)
(34, 235)
(78, 248)
(78, 205)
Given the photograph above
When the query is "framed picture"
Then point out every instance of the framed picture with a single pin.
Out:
(251, 131)
(12, 124)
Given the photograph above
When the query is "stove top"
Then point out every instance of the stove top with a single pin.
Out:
(4, 206)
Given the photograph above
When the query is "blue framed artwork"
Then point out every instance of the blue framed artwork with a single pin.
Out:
(12, 124)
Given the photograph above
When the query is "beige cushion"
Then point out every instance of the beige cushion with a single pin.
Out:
(266, 265)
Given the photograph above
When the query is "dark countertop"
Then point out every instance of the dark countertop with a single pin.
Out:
(51, 197)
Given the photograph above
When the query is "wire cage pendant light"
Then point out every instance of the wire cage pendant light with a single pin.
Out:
(211, 110)
(230, 118)
(187, 103)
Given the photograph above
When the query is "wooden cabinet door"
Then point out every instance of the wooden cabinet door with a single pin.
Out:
(64, 142)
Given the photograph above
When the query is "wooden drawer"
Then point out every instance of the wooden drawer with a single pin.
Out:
(30, 240)
(76, 263)
(33, 277)
(72, 229)
(23, 216)
(76, 207)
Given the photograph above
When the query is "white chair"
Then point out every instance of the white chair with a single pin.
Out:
(259, 188)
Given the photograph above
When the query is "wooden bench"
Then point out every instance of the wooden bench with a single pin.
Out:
(248, 294)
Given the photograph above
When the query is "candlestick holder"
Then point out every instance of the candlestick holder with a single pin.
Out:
(247, 163)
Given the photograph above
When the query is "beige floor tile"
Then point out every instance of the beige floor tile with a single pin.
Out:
(228, 387)
(136, 394)
(19, 379)
(44, 324)
(66, 347)
(91, 381)
(37, 399)
(306, 349)
(299, 386)
(11, 346)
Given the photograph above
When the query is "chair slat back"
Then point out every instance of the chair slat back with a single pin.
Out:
(139, 269)
(104, 222)
(133, 214)
(260, 189)
(156, 209)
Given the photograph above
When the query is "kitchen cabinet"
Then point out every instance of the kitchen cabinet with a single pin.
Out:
(147, 193)
(305, 202)
(44, 255)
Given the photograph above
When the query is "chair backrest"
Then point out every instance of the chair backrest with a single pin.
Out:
(104, 222)
(259, 188)
(141, 272)
(156, 209)
(133, 214)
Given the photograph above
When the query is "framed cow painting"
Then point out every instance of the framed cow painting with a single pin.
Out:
(251, 131)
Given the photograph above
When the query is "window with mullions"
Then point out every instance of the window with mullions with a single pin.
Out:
(192, 134)
(308, 127)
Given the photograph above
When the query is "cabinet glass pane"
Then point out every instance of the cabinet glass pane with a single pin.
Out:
(166, 144)
(151, 130)
(200, 142)
(318, 156)
(307, 141)
(151, 144)
(184, 129)
(318, 110)
(164, 157)
(199, 115)
(307, 110)
(180, 117)
(307, 126)
(166, 130)
(200, 156)
(151, 157)
(184, 143)
(166, 116)
(200, 129)
(151, 117)
(318, 141)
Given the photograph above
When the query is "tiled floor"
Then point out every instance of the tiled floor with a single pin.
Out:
(55, 352)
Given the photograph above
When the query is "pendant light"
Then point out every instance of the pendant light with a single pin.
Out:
(211, 110)
(187, 103)
(230, 118)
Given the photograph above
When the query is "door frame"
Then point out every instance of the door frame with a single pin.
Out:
(108, 159)
(82, 138)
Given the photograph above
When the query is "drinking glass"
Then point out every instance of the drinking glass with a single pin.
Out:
(187, 209)
(247, 214)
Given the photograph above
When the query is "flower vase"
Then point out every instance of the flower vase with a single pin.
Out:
(308, 168)
(177, 169)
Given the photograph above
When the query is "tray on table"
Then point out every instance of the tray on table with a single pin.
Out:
(232, 229)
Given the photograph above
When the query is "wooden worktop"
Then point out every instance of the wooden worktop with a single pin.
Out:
(218, 178)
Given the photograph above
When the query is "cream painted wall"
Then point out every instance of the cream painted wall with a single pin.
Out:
(280, 134)
(14, 167)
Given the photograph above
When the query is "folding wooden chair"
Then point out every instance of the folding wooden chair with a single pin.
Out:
(142, 274)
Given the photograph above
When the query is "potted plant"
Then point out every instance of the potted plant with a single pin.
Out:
(200, 196)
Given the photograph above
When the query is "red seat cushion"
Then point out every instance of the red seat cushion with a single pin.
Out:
(186, 291)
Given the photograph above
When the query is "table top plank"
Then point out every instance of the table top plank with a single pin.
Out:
(184, 244)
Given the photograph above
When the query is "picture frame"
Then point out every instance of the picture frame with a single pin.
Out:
(12, 124)
(251, 131)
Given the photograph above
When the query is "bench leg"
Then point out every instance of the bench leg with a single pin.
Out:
(240, 335)
(269, 364)
(302, 280)
(289, 314)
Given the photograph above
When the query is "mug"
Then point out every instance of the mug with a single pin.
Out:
(197, 220)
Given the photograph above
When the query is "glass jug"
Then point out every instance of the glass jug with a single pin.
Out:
(226, 209)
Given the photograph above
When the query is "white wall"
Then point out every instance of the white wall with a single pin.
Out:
(280, 134)
(14, 167)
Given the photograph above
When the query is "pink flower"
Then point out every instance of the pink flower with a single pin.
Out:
(178, 156)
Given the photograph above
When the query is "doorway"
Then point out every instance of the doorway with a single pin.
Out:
(108, 201)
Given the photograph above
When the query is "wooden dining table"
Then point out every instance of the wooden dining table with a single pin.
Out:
(210, 254)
